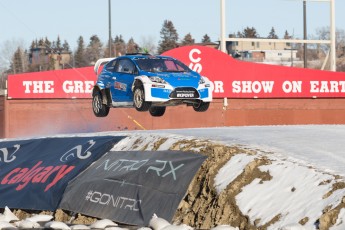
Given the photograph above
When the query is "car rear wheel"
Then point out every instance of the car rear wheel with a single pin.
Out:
(201, 106)
(157, 111)
(99, 109)
(139, 99)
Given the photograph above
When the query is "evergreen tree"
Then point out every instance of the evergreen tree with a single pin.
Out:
(272, 34)
(65, 46)
(120, 46)
(58, 43)
(33, 45)
(79, 55)
(250, 33)
(239, 35)
(206, 39)
(47, 43)
(94, 50)
(287, 35)
(169, 37)
(41, 42)
(17, 64)
(132, 47)
(188, 40)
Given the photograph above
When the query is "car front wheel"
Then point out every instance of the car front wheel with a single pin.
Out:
(201, 106)
(139, 99)
(99, 109)
(156, 111)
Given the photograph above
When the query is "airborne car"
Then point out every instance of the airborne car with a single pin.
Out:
(148, 83)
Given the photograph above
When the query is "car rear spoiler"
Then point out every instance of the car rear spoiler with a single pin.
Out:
(99, 62)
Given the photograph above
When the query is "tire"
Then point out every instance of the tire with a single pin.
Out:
(99, 109)
(156, 111)
(201, 106)
(139, 99)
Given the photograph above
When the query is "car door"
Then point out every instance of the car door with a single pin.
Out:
(125, 71)
(107, 75)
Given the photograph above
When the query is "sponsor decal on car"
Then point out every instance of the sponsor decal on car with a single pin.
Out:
(184, 93)
(120, 86)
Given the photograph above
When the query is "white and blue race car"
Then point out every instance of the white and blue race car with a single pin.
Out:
(148, 83)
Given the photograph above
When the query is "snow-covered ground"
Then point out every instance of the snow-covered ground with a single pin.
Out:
(320, 145)
(307, 161)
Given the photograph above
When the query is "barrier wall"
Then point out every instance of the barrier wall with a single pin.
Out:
(37, 117)
(59, 102)
(2, 117)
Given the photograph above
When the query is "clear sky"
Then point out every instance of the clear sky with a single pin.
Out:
(142, 20)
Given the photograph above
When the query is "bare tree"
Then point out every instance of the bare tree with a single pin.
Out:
(7, 50)
(324, 34)
(148, 44)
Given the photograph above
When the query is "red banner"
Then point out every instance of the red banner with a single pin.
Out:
(231, 78)
(68, 83)
(238, 79)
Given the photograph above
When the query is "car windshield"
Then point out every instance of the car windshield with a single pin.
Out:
(161, 65)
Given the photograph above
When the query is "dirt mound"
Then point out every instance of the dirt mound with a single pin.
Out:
(203, 206)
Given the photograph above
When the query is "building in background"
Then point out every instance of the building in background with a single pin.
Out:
(266, 52)
(43, 58)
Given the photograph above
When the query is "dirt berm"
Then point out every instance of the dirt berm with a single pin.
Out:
(203, 207)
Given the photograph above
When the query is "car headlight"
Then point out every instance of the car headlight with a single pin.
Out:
(201, 81)
(158, 80)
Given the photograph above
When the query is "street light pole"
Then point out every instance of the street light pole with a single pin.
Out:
(333, 66)
(109, 8)
(305, 32)
(222, 26)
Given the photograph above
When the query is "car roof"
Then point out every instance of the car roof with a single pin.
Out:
(134, 56)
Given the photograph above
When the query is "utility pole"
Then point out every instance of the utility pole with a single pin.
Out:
(109, 8)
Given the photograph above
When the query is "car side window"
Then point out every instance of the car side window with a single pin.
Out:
(111, 66)
(125, 66)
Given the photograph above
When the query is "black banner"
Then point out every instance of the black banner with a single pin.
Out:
(34, 173)
(129, 187)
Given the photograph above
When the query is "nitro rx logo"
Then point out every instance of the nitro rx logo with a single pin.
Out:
(161, 168)
(119, 202)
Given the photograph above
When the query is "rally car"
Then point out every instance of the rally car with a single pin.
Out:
(148, 83)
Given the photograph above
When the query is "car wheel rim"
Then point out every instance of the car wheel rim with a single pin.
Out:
(138, 98)
(197, 105)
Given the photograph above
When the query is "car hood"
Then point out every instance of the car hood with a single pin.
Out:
(179, 79)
